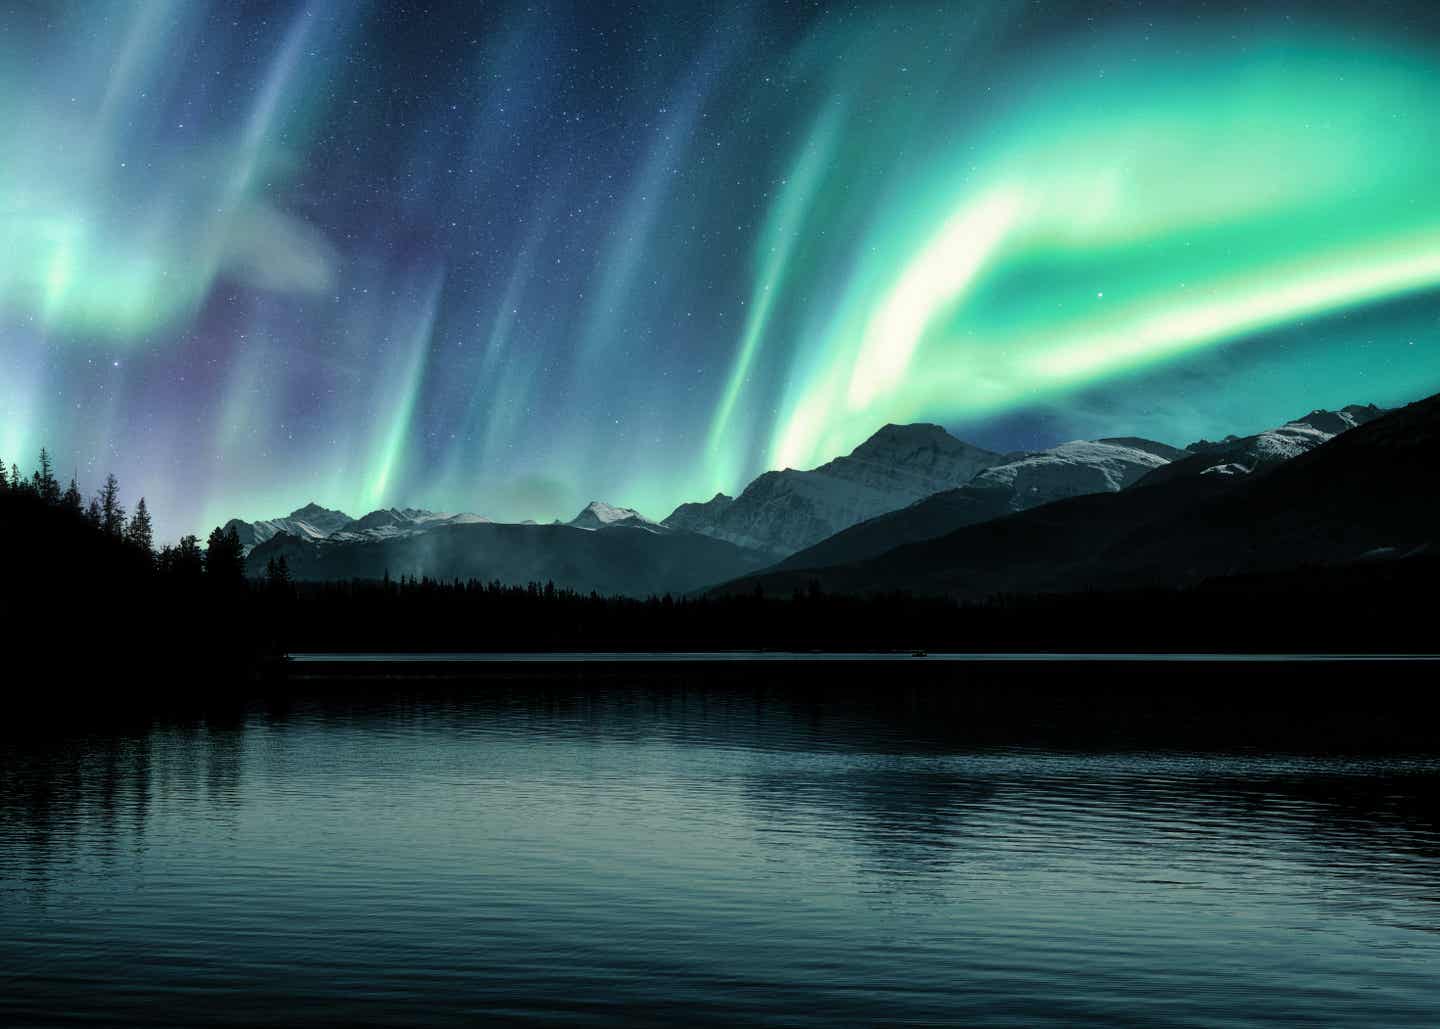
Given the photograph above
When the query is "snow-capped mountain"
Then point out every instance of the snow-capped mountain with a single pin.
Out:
(313, 523)
(600, 515)
(1075, 468)
(1021, 482)
(625, 557)
(905, 484)
(389, 523)
(1354, 488)
(605, 548)
(1245, 455)
(699, 515)
(781, 512)
(309, 522)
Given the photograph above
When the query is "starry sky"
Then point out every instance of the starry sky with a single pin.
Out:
(510, 257)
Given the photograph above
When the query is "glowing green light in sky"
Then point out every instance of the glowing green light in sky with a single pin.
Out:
(102, 240)
(248, 262)
(1115, 223)
(777, 242)
(395, 429)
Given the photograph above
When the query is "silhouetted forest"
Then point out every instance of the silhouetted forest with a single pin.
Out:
(1380, 608)
(91, 592)
(95, 602)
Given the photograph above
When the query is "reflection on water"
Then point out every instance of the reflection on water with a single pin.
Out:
(662, 854)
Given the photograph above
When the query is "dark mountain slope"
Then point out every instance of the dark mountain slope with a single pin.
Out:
(1370, 489)
(1024, 481)
(617, 559)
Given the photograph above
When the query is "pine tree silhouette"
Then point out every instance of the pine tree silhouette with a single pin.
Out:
(277, 577)
(224, 558)
(45, 484)
(185, 562)
(139, 532)
(72, 501)
(112, 514)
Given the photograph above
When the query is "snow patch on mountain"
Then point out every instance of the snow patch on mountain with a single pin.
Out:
(313, 523)
(393, 523)
(1243, 455)
(600, 515)
(1074, 469)
(697, 515)
(781, 512)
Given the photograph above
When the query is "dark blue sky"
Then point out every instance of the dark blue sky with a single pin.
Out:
(510, 257)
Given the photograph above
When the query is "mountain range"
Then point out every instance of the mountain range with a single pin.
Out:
(784, 511)
(314, 523)
(1349, 486)
(911, 508)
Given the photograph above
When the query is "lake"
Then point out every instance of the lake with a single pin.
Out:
(631, 850)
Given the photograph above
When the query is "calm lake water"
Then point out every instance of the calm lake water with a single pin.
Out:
(607, 853)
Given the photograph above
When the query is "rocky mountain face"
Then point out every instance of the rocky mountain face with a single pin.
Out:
(784, 511)
(1244, 455)
(1075, 469)
(598, 515)
(1364, 494)
(1071, 469)
(698, 515)
(309, 522)
(904, 487)
(313, 522)
(612, 550)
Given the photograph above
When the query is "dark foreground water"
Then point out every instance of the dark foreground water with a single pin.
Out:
(597, 853)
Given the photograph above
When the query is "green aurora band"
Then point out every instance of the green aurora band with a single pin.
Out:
(1110, 223)
(245, 268)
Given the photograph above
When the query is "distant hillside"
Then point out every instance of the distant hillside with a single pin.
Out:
(631, 560)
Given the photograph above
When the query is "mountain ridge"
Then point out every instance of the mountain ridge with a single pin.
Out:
(782, 511)
(1356, 495)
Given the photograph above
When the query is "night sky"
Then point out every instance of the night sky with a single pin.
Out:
(508, 258)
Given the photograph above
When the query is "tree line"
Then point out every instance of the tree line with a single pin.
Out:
(220, 562)
(88, 571)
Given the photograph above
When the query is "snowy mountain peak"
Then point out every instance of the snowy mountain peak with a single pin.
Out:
(781, 512)
(699, 516)
(317, 515)
(598, 515)
(909, 444)
(1332, 423)
(387, 523)
(314, 523)
(311, 522)
(1075, 468)
(1244, 455)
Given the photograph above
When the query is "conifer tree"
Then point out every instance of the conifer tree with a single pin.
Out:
(277, 575)
(4, 478)
(139, 531)
(45, 484)
(92, 513)
(72, 501)
(187, 562)
(224, 557)
(16, 483)
(112, 514)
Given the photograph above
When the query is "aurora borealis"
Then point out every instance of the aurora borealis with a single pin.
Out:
(507, 258)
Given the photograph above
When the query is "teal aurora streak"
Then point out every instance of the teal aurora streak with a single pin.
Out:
(231, 279)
